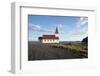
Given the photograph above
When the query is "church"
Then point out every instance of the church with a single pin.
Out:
(50, 38)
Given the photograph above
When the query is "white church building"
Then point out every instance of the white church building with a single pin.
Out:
(50, 38)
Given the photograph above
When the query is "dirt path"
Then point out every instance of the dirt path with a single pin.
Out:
(45, 52)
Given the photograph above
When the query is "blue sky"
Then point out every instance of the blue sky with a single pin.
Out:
(71, 28)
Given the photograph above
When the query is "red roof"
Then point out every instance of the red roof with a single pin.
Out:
(48, 37)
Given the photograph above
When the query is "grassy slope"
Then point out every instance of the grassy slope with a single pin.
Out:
(75, 48)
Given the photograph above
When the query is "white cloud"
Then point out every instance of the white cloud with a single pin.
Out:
(38, 28)
(81, 22)
(76, 34)
(58, 25)
(80, 31)
(81, 26)
(34, 27)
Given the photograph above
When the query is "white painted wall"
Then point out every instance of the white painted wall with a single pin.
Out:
(57, 35)
(50, 41)
(5, 39)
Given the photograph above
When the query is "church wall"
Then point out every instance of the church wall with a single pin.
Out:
(50, 41)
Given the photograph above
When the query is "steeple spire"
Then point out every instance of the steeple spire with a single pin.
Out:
(56, 32)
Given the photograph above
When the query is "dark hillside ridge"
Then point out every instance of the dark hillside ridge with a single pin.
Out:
(85, 40)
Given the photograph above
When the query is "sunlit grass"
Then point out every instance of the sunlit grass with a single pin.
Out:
(75, 48)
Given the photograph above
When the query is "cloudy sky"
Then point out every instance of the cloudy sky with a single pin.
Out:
(71, 28)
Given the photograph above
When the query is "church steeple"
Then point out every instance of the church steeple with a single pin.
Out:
(56, 32)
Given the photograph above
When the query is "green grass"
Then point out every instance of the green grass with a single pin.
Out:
(78, 48)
